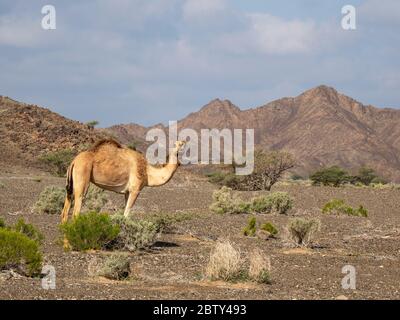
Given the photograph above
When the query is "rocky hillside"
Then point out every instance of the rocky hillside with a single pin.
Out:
(27, 131)
(320, 127)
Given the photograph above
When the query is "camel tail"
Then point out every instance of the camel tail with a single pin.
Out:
(69, 185)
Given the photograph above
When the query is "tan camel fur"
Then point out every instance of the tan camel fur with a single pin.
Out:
(111, 166)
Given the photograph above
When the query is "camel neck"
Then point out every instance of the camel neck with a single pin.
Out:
(159, 176)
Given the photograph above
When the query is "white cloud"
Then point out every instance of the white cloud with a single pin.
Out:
(197, 9)
(275, 35)
(20, 31)
(380, 12)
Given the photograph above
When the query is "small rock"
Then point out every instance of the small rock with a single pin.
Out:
(262, 234)
(341, 297)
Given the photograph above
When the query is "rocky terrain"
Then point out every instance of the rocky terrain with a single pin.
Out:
(174, 267)
(27, 131)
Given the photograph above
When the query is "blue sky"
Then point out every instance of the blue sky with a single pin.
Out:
(150, 61)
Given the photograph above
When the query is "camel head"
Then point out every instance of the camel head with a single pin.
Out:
(179, 145)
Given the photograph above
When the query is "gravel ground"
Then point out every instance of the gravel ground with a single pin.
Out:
(173, 268)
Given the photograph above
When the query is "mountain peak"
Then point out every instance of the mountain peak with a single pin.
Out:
(218, 106)
(322, 90)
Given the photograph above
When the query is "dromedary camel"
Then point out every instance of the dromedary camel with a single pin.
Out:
(113, 167)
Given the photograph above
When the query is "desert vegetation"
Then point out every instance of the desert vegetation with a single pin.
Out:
(338, 206)
(336, 176)
(227, 263)
(134, 235)
(20, 248)
(301, 231)
(265, 231)
(269, 167)
(58, 161)
(114, 267)
(226, 201)
(91, 231)
(92, 124)
(51, 200)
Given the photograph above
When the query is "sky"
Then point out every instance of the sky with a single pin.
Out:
(151, 61)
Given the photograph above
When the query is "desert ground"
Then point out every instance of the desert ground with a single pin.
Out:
(173, 267)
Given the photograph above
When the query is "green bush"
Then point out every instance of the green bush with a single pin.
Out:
(301, 231)
(296, 177)
(270, 228)
(115, 267)
(51, 200)
(29, 230)
(133, 234)
(92, 124)
(338, 206)
(251, 228)
(58, 160)
(275, 202)
(332, 176)
(224, 201)
(366, 176)
(90, 231)
(20, 252)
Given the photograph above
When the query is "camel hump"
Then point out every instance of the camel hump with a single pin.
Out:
(104, 142)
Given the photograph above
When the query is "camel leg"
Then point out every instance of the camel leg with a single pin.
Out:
(126, 197)
(81, 178)
(131, 201)
(67, 206)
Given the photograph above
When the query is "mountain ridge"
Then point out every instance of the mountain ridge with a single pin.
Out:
(320, 127)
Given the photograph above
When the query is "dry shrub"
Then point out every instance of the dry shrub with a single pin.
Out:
(115, 267)
(301, 231)
(134, 235)
(224, 201)
(95, 199)
(274, 202)
(259, 267)
(51, 200)
(225, 263)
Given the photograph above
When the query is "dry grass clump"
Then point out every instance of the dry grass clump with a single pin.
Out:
(259, 267)
(225, 263)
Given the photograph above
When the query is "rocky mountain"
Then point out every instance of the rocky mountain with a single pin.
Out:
(320, 127)
(27, 131)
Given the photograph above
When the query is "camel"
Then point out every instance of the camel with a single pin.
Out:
(111, 166)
